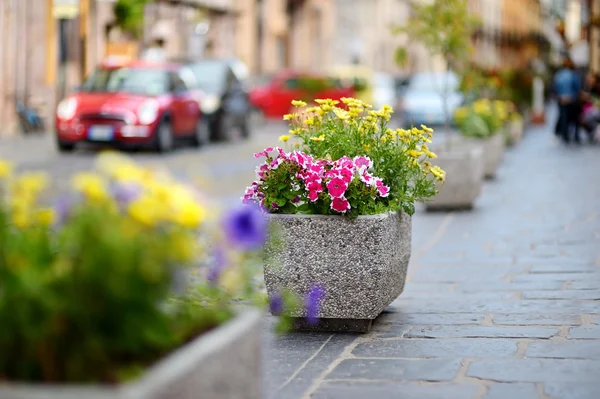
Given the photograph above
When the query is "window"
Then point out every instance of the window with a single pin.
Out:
(150, 82)
(175, 82)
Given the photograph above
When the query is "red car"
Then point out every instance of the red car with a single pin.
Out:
(134, 104)
(274, 99)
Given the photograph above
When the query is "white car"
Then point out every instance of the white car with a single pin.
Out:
(384, 90)
(423, 101)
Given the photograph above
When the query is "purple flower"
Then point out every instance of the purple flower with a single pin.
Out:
(217, 268)
(276, 304)
(313, 301)
(63, 208)
(125, 193)
(246, 228)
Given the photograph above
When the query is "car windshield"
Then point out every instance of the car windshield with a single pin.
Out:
(149, 82)
(210, 76)
(433, 82)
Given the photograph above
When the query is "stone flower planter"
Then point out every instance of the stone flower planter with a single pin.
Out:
(493, 152)
(221, 364)
(361, 265)
(515, 131)
(464, 168)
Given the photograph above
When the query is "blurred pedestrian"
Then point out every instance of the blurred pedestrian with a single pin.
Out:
(567, 87)
(590, 95)
(156, 51)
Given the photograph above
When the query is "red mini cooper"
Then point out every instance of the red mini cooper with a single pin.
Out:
(134, 104)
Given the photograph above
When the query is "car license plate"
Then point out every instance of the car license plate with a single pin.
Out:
(100, 133)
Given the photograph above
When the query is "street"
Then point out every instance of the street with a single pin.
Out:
(500, 302)
(223, 170)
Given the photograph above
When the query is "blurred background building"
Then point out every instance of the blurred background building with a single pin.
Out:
(268, 35)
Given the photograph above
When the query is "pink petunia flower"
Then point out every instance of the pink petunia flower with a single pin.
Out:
(382, 189)
(314, 186)
(263, 153)
(340, 205)
(346, 174)
(363, 163)
(313, 195)
(337, 187)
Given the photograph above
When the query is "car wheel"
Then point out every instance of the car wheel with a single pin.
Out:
(245, 127)
(202, 133)
(223, 128)
(65, 147)
(164, 137)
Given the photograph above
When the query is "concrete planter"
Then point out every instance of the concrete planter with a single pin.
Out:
(464, 168)
(361, 264)
(515, 131)
(493, 152)
(221, 364)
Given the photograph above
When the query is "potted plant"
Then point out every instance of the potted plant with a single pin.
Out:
(341, 204)
(482, 122)
(126, 290)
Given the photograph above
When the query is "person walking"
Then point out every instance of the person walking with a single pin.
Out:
(567, 87)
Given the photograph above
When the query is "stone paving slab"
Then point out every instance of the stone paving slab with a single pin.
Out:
(501, 302)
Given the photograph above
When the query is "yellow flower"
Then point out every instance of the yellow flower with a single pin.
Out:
(284, 138)
(427, 129)
(298, 103)
(309, 121)
(415, 153)
(439, 174)
(91, 185)
(320, 138)
(5, 169)
(189, 215)
(295, 131)
(430, 154)
(146, 210)
(341, 114)
(289, 117)
(46, 216)
(21, 219)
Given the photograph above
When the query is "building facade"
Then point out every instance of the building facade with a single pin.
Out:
(275, 34)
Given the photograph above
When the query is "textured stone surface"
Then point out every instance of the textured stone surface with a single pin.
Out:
(493, 153)
(537, 319)
(395, 390)
(564, 350)
(535, 370)
(361, 264)
(221, 364)
(397, 369)
(581, 390)
(481, 332)
(430, 348)
(585, 332)
(464, 178)
(511, 391)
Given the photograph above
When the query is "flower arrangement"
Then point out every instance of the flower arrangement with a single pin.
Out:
(107, 281)
(296, 183)
(482, 118)
(359, 140)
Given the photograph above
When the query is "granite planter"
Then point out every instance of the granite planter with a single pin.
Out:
(221, 364)
(360, 263)
(464, 166)
(493, 152)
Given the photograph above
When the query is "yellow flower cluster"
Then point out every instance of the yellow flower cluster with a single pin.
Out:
(160, 200)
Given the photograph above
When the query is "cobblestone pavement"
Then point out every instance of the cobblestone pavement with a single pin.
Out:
(501, 302)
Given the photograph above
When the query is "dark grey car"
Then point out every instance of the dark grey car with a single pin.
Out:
(225, 102)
